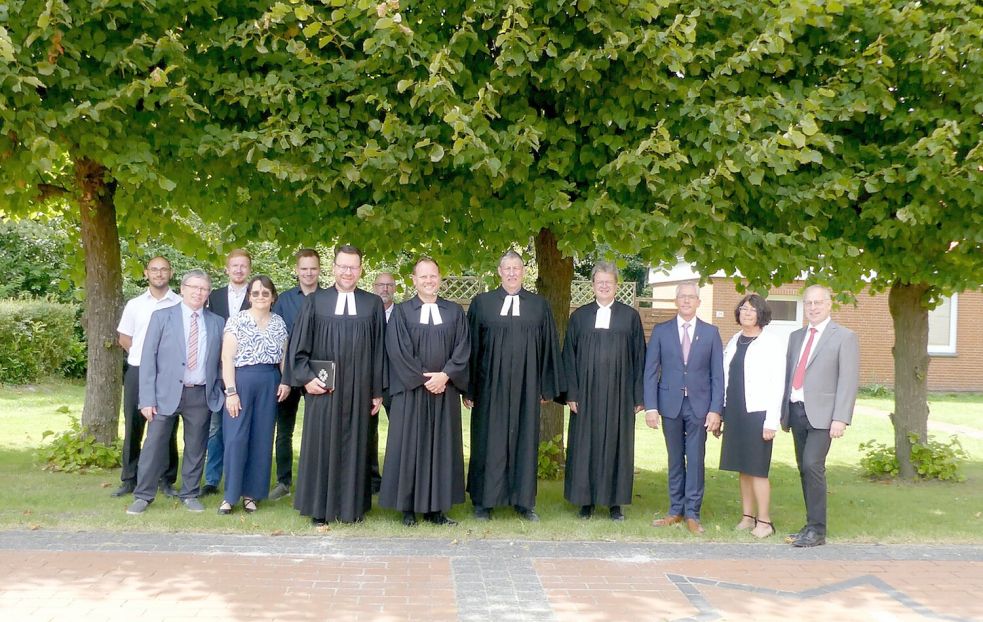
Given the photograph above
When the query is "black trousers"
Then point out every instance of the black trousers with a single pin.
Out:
(134, 426)
(286, 421)
(811, 447)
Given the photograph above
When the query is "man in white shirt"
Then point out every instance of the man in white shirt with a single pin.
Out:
(384, 287)
(131, 330)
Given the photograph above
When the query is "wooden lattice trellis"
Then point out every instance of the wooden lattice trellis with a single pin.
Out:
(462, 289)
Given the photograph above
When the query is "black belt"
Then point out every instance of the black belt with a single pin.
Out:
(193, 386)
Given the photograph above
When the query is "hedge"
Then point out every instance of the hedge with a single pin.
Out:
(37, 338)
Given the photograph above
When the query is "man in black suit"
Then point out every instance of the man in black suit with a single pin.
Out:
(225, 302)
(822, 373)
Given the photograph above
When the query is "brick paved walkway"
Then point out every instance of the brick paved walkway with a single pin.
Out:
(150, 577)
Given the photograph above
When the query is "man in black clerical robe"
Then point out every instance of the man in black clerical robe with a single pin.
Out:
(604, 365)
(428, 347)
(343, 324)
(515, 363)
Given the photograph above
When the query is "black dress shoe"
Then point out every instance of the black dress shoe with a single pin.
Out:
(168, 490)
(586, 511)
(208, 489)
(482, 513)
(409, 519)
(792, 537)
(126, 488)
(439, 518)
(810, 538)
(616, 513)
(528, 514)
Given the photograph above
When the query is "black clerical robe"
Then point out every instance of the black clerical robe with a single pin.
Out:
(333, 473)
(515, 361)
(604, 369)
(424, 467)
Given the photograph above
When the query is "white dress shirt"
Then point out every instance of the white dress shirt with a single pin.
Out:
(197, 375)
(798, 395)
(603, 317)
(136, 319)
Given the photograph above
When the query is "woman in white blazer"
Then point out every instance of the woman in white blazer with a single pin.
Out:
(754, 374)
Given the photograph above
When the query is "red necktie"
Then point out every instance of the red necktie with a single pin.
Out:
(800, 370)
(193, 343)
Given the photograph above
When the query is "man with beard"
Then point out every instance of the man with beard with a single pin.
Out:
(428, 347)
(384, 287)
(131, 330)
(342, 325)
(287, 306)
(515, 364)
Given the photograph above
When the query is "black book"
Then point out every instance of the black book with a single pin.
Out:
(325, 372)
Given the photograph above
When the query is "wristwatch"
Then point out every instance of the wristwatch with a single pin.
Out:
(230, 391)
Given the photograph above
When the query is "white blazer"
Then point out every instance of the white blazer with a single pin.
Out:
(764, 374)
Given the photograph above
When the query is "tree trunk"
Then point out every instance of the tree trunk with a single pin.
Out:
(553, 283)
(910, 370)
(103, 297)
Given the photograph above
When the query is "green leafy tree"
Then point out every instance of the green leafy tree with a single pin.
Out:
(98, 121)
(844, 139)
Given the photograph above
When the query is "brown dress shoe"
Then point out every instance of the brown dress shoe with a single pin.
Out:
(665, 521)
(694, 526)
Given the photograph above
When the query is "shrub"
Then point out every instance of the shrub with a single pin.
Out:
(550, 459)
(72, 451)
(876, 390)
(36, 338)
(932, 460)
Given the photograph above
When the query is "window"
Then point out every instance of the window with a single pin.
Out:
(786, 314)
(942, 327)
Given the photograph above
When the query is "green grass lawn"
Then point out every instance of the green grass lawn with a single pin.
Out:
(860, 510)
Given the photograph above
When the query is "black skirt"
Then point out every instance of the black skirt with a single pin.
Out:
(743, 450)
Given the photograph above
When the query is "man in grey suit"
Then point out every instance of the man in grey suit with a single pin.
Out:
(821, 379)
(179, 374)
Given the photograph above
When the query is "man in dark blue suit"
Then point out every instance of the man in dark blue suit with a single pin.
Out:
(684, 385)
(179, 375)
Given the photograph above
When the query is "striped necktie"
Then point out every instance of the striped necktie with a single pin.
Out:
(193, 342)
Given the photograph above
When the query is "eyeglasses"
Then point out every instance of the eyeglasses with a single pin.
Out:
(341, 268)
(687, 297)
(747, 309)
(196, 288)
(815, 303)
(386, 285)
(156, 270)
(265, 293)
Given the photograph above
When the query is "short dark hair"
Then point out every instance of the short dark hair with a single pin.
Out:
(348, 249)
(307, 252)
(761, 308)
(266, 282)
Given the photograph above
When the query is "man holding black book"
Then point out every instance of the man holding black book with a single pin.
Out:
(338, 329)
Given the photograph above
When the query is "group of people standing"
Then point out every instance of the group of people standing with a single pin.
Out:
(348, 352)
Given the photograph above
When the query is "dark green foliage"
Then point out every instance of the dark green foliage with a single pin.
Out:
(550, 465)
(71, 451)
(36, 338)
(932, 460)
(32, 260)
